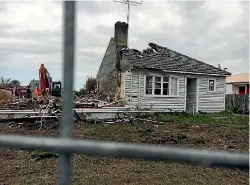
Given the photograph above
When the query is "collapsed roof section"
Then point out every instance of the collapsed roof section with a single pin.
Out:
(161, 58)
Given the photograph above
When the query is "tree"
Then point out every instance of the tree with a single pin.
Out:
(81, 92)
(15, 83)
(7, 82)
(90, 84)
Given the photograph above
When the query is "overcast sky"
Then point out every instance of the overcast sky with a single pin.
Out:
(31, 34)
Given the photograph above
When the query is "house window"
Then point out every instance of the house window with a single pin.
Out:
(211, 85)
(158, 87)
(161, 85)
(149, 86)
(174, 86)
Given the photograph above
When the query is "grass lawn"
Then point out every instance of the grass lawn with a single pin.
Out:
(225, 132)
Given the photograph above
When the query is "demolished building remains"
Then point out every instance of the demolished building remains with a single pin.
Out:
(159, 78)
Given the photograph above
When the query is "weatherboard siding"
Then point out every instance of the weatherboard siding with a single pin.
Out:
(152, 102)
(211, 101)
(207, 101)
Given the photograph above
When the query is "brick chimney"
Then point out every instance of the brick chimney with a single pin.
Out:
(121, 34)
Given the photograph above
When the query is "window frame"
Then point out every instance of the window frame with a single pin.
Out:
(208, 89)
(162, 82)
(145, 84)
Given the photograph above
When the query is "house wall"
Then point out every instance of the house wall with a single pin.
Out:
(211, 101)
(152, 102)
(122, 92)
(234, 88)
(107, 74)
(207, 101)
(229, 89)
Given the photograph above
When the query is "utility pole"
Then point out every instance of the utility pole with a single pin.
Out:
(128, 2)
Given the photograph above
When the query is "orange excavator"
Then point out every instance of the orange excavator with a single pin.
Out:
(47, 87)
(45, 80)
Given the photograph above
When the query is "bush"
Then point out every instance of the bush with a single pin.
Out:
(90, 84)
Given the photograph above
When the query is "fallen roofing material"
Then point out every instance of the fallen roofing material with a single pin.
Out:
(161, 58)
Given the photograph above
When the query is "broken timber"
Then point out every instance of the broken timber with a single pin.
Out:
(87, 113)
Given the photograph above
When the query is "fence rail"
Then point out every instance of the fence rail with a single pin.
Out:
(237, 103)
(123, 150)
(66, 146)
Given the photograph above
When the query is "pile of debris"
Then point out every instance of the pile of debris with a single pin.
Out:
(18, 104)
(125, 118)
(5, 94)
(101, 95)
(93, 99)
(45, 108)
(97, 100)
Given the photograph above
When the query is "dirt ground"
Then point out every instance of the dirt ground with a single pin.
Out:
(28, 167)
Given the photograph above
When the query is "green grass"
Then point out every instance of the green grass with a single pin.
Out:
(117, 132)
(223, 118)
(136, 133)
(101, 170)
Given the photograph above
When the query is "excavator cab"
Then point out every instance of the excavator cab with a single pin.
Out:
(56, 89)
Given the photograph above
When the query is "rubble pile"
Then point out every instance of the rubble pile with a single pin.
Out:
(102, 96)
(124, 120)
(90, 100)
(96, 100)
(125, 117)
(5, 94)
(18, 104)
(50, 108)
(42, 123)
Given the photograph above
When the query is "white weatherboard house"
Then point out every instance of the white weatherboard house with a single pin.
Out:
(165, 79)
(161, 79)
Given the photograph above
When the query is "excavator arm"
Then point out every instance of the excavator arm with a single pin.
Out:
(47, 87)
(45, 80)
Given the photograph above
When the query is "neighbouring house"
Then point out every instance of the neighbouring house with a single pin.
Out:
(160, 78)
(238, 84)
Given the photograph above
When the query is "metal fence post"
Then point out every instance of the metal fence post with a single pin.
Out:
(67, 124)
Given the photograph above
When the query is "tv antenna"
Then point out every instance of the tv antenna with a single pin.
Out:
(128, 2)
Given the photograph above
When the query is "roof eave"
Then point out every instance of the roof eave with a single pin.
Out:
(237, 83)
(181, 72)
(208, 74)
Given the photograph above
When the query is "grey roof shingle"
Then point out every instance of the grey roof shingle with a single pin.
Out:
(161, 58)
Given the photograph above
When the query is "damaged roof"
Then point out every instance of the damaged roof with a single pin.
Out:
(161, 58)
